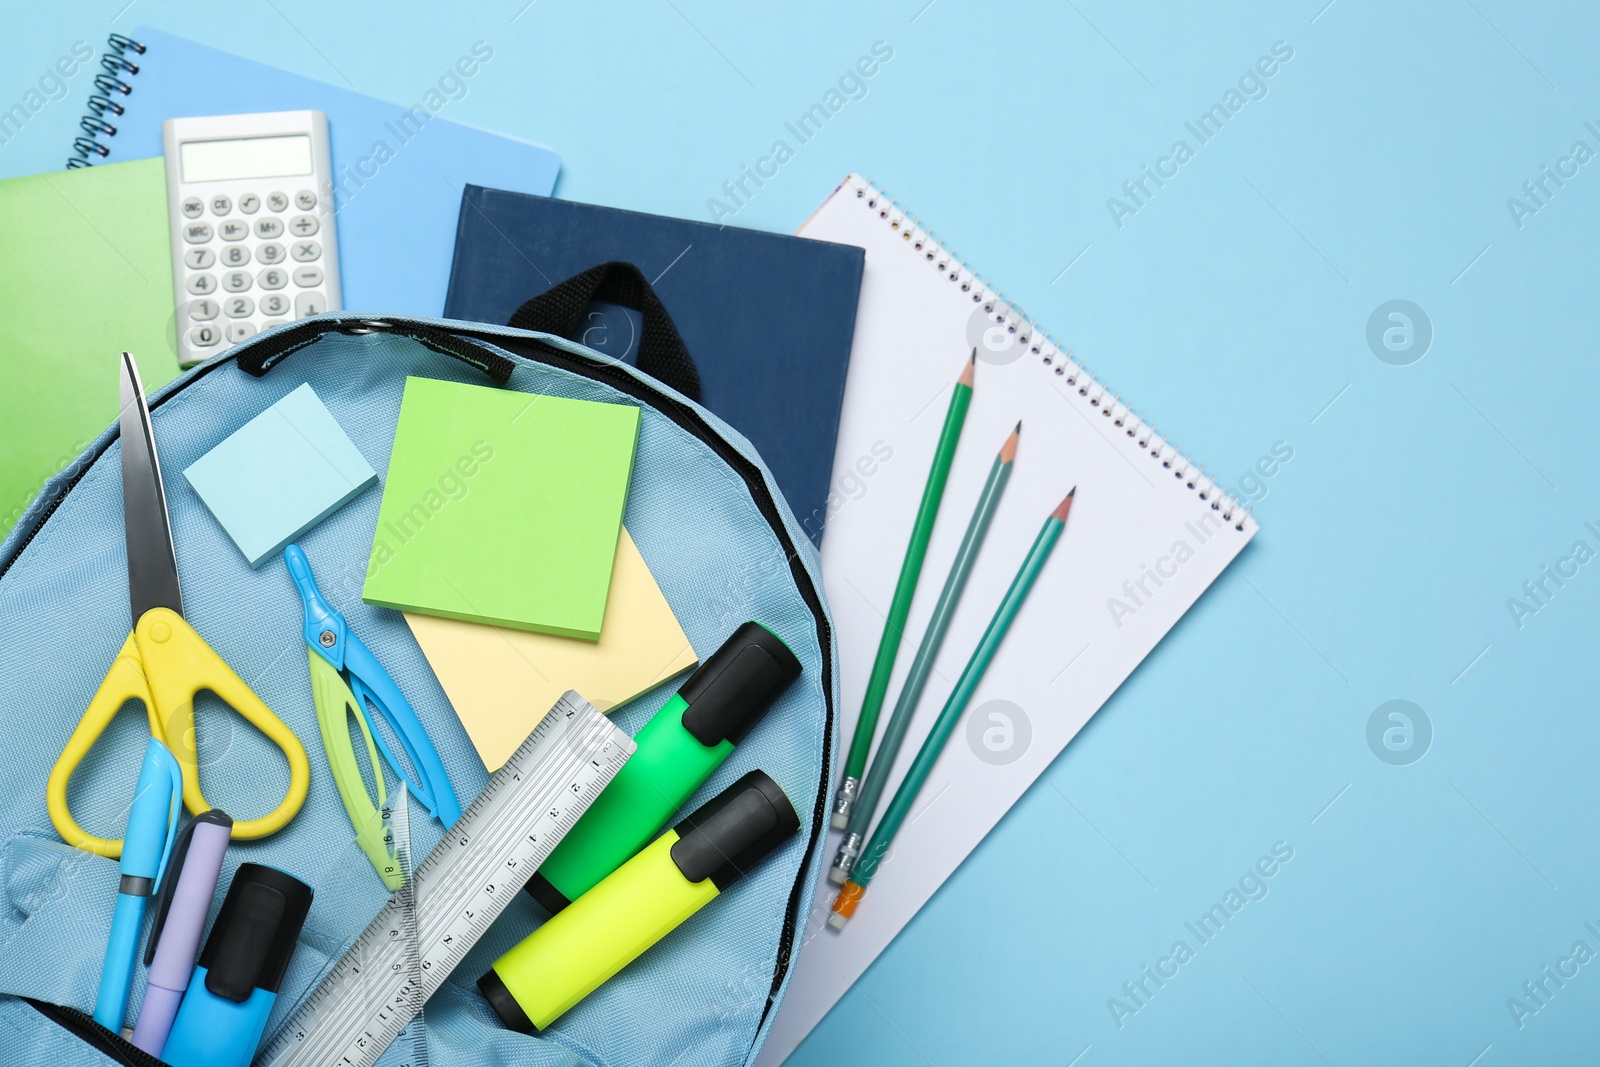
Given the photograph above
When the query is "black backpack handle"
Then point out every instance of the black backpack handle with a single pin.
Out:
(559, 310)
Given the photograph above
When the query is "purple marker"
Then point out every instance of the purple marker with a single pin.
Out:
(180, 917)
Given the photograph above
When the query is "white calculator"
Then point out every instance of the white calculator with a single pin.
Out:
(253, 241)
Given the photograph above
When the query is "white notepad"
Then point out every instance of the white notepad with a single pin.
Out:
(1143, 515)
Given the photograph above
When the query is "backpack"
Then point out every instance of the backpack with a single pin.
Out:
(705, 513)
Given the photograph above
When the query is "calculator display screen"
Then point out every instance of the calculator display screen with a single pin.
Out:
(246, 157)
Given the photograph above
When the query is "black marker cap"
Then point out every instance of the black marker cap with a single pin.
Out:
(731, 832)
(504, 1004)
(255, 932)
(549, 896)
(735, 687)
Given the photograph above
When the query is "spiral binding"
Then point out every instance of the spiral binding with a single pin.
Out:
(1080, 380)
(104, 106)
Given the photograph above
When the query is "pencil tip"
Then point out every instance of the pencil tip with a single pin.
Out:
(1065, 506)
(1008, 451)
(967, 372)
(1019, 427)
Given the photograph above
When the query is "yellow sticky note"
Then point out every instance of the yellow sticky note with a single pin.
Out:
(502, 681)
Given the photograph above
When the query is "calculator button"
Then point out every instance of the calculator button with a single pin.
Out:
(269, 227)
(249, 203)
(201, 284)
(204, 336)
(198, 258)
(192, 207)
(303, 225)
(274, 305)
(197, 233)
(275, 278)
(221, 205)
(202, 310)
(306, 251)
(235, 256)
(270, 323)
(305, 200)
(306, 277)
(233, 230)
(239, 331)
(277, 202)
(269, 253)
(239, 306)
(309, 304)
(236, 281)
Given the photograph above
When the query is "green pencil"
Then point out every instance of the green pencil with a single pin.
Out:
(894, 626)
(921, 667)
(844, 905)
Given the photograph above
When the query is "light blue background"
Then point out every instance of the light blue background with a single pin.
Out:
(1232, 308)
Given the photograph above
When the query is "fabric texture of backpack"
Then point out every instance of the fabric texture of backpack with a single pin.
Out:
(708, 519)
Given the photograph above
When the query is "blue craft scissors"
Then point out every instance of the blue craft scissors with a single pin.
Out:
(348, 680)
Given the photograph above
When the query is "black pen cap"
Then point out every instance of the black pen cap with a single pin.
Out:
(255, 932)
(735, 687)
(731, 832)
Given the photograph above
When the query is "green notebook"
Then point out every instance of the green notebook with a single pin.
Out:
(502, 507)
(85, 274)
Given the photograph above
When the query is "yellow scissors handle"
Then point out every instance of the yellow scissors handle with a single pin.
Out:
(165, 663)
(123, 682)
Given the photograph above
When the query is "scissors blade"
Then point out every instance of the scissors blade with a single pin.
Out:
(152, 563)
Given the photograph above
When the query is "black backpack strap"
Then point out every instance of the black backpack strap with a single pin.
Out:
(559, 310)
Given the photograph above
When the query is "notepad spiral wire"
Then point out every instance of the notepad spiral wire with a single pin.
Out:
(115, 81)
(1052, 355)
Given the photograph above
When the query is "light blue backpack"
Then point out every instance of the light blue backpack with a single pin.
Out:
(705, 514)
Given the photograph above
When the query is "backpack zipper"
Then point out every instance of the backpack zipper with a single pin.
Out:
(113, 1046)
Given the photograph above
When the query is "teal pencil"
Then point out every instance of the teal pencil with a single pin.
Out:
(922, 667)
(849, 898)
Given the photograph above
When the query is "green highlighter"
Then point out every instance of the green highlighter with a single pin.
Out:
(645, 899)
(679, 748)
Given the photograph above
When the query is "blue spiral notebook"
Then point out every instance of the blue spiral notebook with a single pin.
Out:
(398, 168)
(767, 318)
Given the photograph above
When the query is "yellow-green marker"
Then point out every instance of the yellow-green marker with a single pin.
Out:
(679, 748)
(645, 899)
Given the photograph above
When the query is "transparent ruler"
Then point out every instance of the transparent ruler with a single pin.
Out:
(372, 993)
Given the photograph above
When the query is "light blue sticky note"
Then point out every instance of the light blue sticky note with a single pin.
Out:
(280, 474)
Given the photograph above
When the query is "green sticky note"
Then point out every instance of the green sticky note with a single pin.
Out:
(280, 474)
(502, 507)
(85, 275)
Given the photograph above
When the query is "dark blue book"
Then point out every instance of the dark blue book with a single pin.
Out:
(767, 318)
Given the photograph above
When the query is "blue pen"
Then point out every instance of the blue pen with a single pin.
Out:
(147, 846)
(328, 636)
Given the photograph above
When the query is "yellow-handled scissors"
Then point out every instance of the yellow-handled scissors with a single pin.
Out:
(164, 662)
